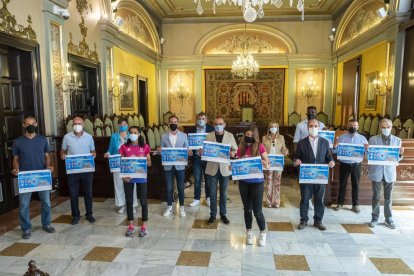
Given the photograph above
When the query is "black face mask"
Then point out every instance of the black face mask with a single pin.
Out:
(311, 116)
(352, 130)
(249, 140)
(173, 127)
(31, 129)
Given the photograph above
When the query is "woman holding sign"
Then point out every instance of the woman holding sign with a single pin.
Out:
(251, 190)
(274, 144)
(136, 147)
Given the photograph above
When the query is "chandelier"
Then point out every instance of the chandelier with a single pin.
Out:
(251, 8)
(311, 89)
(245, 66)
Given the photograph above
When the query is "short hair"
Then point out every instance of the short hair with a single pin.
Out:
(121, 120)
(29, 117)
(219, 117)
(313, 119)
(173, 116)
(311, 107)
(353, 120)
(201, 114)
(385, 120)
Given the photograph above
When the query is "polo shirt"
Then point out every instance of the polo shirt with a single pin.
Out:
(78, 145)
(31, 152)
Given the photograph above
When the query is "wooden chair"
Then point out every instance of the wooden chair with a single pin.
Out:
(161, 130)
(69, 126)
(322, 117)
(141, 121)
(361, 121)
(367, 124)
(136, 121)
(166, 128)
(397, 122)
(98, 122)
(165, 116)
(151, 138)
(108, 130)
(130, 121)
(98, 131)
(115, 123)
(88, 126)
(408, 124)
(294, 118)
(403, 133)
(373, 130)
(108, 123)
(157, 136)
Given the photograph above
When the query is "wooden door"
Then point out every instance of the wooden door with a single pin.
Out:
(350, 90)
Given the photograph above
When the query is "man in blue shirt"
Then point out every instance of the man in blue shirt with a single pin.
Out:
(79, 142)
(31, 152)
(350, 167)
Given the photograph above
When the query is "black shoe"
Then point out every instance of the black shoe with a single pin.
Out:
(211, 220)
(27, 234)
(225, 220)
(91, 219)
(49, 229)
(75, 220)
(302, 225)
(320, 226)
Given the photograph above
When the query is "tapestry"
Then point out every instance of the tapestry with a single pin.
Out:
(227, 95)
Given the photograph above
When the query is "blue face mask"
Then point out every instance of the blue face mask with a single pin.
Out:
(219, 128)
(123, 128)
(201, 123)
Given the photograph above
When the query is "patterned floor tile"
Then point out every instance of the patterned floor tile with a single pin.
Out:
(202, 224)
(391, 266)
(280, 226)
(63, 219)
(194, 258)
(18, 249)
(357, 228)
(291, 262)
(102, 254)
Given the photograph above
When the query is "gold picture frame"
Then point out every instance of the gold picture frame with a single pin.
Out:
(370, 97)
(126, 99)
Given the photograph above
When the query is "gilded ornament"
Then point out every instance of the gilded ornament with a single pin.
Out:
(8, 24)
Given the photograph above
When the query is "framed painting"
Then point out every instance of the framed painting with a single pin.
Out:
(370, 97)
(126, 100)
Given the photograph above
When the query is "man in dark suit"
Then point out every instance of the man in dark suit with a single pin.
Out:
(199, 166)
(312, 150)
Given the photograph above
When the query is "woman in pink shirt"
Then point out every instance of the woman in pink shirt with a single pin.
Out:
(251, 190)
(136, 147)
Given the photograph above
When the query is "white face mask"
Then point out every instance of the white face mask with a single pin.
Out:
(313, 131)
(386, 131)
(77, 128)
(133, 137)
(273, 130)
(201, 123)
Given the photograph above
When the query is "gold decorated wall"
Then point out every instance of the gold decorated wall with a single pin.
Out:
(131, 65)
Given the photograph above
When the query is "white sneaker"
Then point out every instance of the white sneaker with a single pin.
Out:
(249, 237)
(134, 210)
(167, 211)
(121, 209)
(182, 211)
(195, 203)
(208, 201)
(262, 239)
(310, 205)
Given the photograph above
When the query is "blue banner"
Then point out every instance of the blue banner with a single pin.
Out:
(277, 162)
(246, 168)
(34, 181)
(114, 163)
(314, 174)
(79, 163)
(174, 156)
(350, 152)
(216, 152)
(328, 135)
(134, 167)
(195, 140)
(383, 155)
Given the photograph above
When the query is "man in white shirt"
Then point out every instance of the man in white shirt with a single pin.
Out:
(301, 131)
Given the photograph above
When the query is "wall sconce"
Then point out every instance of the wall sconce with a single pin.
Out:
(182, 94)
(310, 89)
(382, 85)
(68, 81)
(411, 79)
(117, 88)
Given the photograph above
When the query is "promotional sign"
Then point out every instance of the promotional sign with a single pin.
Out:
(216, 152)
(133, 167)
(246, 168)
(350, 152)
(79, 163)
(277, 162)
(114, 163)
(34, 181)
(328, 135)
(383, 155)
(174, 156)
(314, 174)
(195, 140)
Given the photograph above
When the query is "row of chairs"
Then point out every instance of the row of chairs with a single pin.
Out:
(294, 118)
(369, 125)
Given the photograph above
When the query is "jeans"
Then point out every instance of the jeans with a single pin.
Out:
(74, 182)
(376, 188)
(141, 189)
(252, 197)
(119, 191)
(169, 179)
(24, 213)
(306, 192)
(199, 168)
(213, 182)
(344, 171)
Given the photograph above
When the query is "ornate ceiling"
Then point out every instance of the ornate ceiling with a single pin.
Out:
(166, 9)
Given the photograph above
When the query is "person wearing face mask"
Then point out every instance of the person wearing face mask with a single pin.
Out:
(79, 142)
(174, 139)
(274, 144)
(31, 152)
(198, 165)
(117, 140)
(312, 150)
(350, 167)
(383, 175)
(251, 190)
(136, 147)
(219, 172)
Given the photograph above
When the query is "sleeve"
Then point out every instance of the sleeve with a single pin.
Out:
(233, 142)
(162, 140)
(111, 142)
(185, 144)
(147, 149)
(91, 144)
(262, 149)
(238, 153)
(15, 149)
(296, 137)
(46, 147)
(298, 152)
(65, 143)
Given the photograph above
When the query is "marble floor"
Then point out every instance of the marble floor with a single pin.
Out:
(187, 246)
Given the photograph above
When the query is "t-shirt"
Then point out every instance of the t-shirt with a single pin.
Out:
(135, 151)
(31, 152)
(248, 153)
(219, 137)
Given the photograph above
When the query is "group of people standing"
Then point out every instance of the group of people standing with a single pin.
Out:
(30, 152)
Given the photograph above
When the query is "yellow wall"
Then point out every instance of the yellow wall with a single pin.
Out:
(132, 65)
(338, 109)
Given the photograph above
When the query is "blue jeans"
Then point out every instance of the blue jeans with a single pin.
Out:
(213, 182)
(74, 182)
(24, 213)
(252, 198)
(169, 179)
(199, 168)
